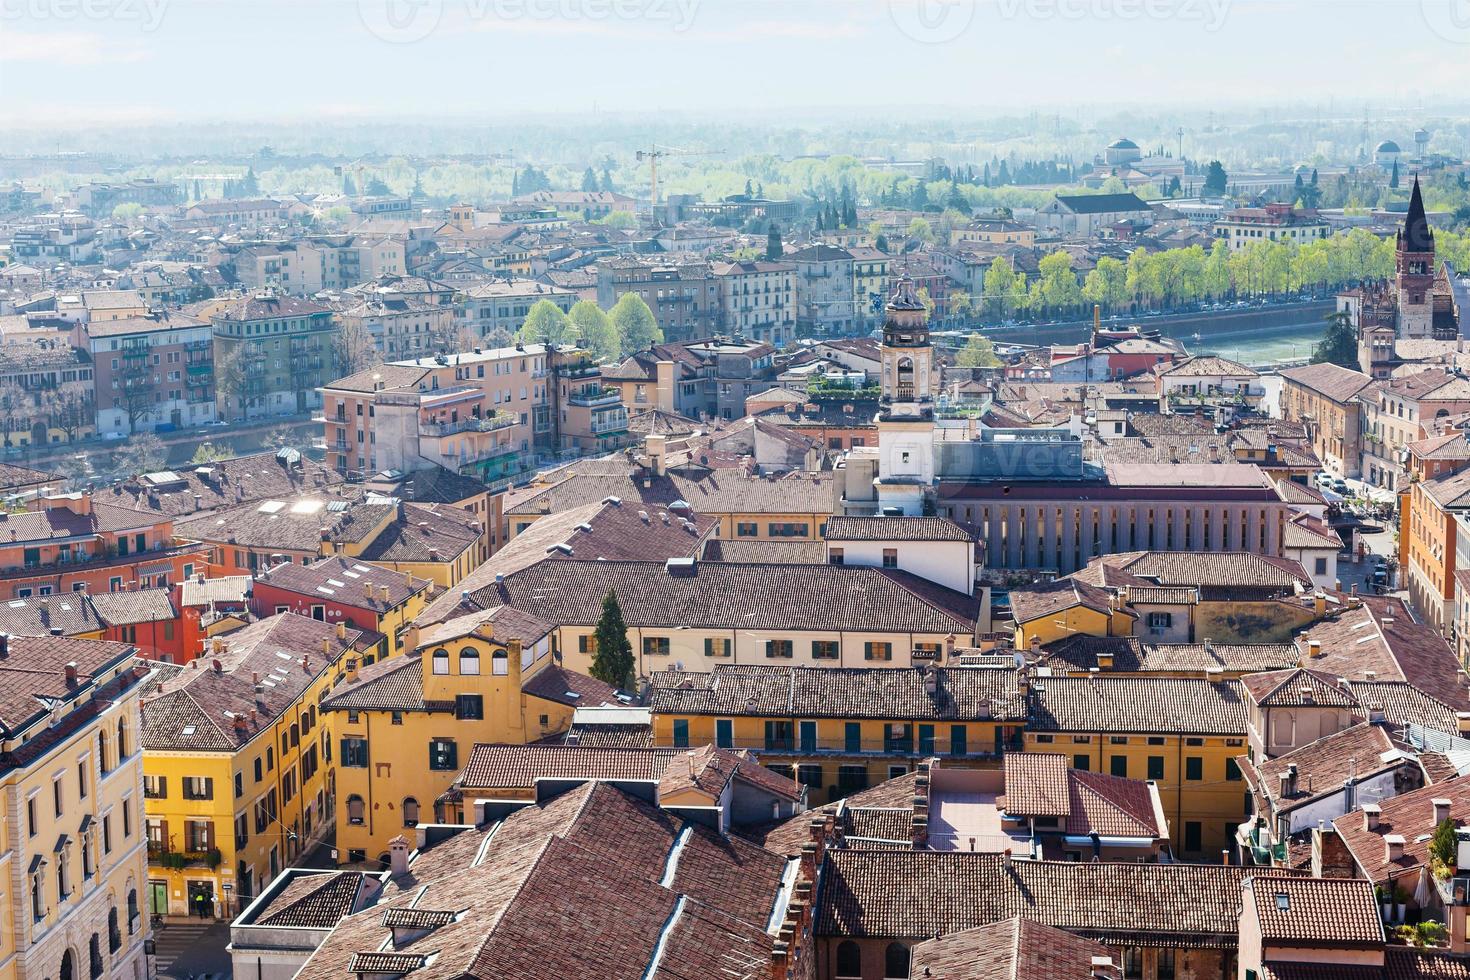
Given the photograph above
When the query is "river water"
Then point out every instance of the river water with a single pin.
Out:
(1268, 348)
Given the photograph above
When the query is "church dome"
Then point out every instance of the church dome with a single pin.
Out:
(1123, 144)
(1388, 146)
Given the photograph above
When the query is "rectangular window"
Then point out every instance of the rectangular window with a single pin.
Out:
(1194, 768)
(779, 737)
(469, 707)
(1083, 762)
(1232, 770)
(809, 775)
(808, 732)
(1118, 765)
(198, 788)
(825, 650)
(1192, 836)
(724, 733)
(155, 787)
(716, 646)
(745, 529)
(1155, 767)
(354, 753)
(834, 556)
(779, 649)
(655, 646)
(852, 737)
(873, 650)
(1160, 620)
(587, 643)
(890, 557)
(681, 733)
(958, 740)
(443, 754)
(926, 739)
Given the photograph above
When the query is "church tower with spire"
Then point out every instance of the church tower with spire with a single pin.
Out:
(1414, 270)
(906, 410)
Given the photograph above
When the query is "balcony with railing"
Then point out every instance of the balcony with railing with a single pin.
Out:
(611, 423)
(595, 397)
(471, 423)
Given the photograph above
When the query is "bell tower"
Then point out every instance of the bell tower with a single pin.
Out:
(1414, 270)
(906, 409)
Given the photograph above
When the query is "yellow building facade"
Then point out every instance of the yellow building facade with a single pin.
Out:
(238, 769)
(838, 731)
(1181, 733)
(405, 728)
(75, 863)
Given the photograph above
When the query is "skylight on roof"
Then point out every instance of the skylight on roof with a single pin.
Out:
(17, 604)
(188, 730)
(1283, 901)
(334, 582)
(284, 655)
(306, 507)
(269, 507)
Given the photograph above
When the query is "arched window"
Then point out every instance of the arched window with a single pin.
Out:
(469, 661)
(849, 960)
(895, 961)
(114, 931)
(67, 971)
(410, 812)
(354, 809)
(499, 663)
(122, 739)
(94, 956)
(102, 759)
(132, 911)
(441, 661)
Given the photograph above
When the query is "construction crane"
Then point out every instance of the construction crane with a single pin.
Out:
(653, 155)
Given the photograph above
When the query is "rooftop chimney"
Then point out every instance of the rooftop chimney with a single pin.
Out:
(398, 856)
(1441, 809)
(1393, 847)
(1371, 814)
(1314, 648)
(341, 630)
(71, 674)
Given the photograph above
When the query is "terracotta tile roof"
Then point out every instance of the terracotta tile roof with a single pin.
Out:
(501, 622)
(737, 596)
(34, 668)
(1305, 531)
(1323, 766)
(766, 551)
(1297, 686)
(1382, 637)
(1333, 381)
(313, 901)
(787, 836)
(201, 708)
(1340, 912)
(519, 766)
(1409, 815)
(1419, 964)
(435, 485)
(537, 891)
(1179, 705)
(423, 531)
(1446, 445)
(1241, 658)
(1110, 806)
(1034, 602)
(919, 894)
(346, 581)
(609, 736)
(1213, 573)
(709, 770)
(395, 684)
(896, 529)
(128, 608)
(553, 683)
(1405, 704)
(721, 492)
(1008, 950)
(71, 613)
(223, 483)
(231, 589)
(839, 692)
(606, 530)
(1036, 785)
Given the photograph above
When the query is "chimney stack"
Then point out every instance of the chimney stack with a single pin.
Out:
(1393, 847)
(1314, 648)
(341, 630)
(1371, 814)
(1441, 809)
(398, 856)
(71, 674)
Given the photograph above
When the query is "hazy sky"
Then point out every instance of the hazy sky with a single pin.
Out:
(65, 61)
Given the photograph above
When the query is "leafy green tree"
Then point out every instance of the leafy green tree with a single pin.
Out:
(209, 452)
(635, 323)
(1002, 286)
(621, 220)
(1216, 180)
(1059, 289)
(545, 324)
(921, 231)
(1339, 343)
(127, 212)
(143, 453)
(1443, 846)
(978, 352)
(612, 663)
(1107, 284)
(881, 242)
(595, 330)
